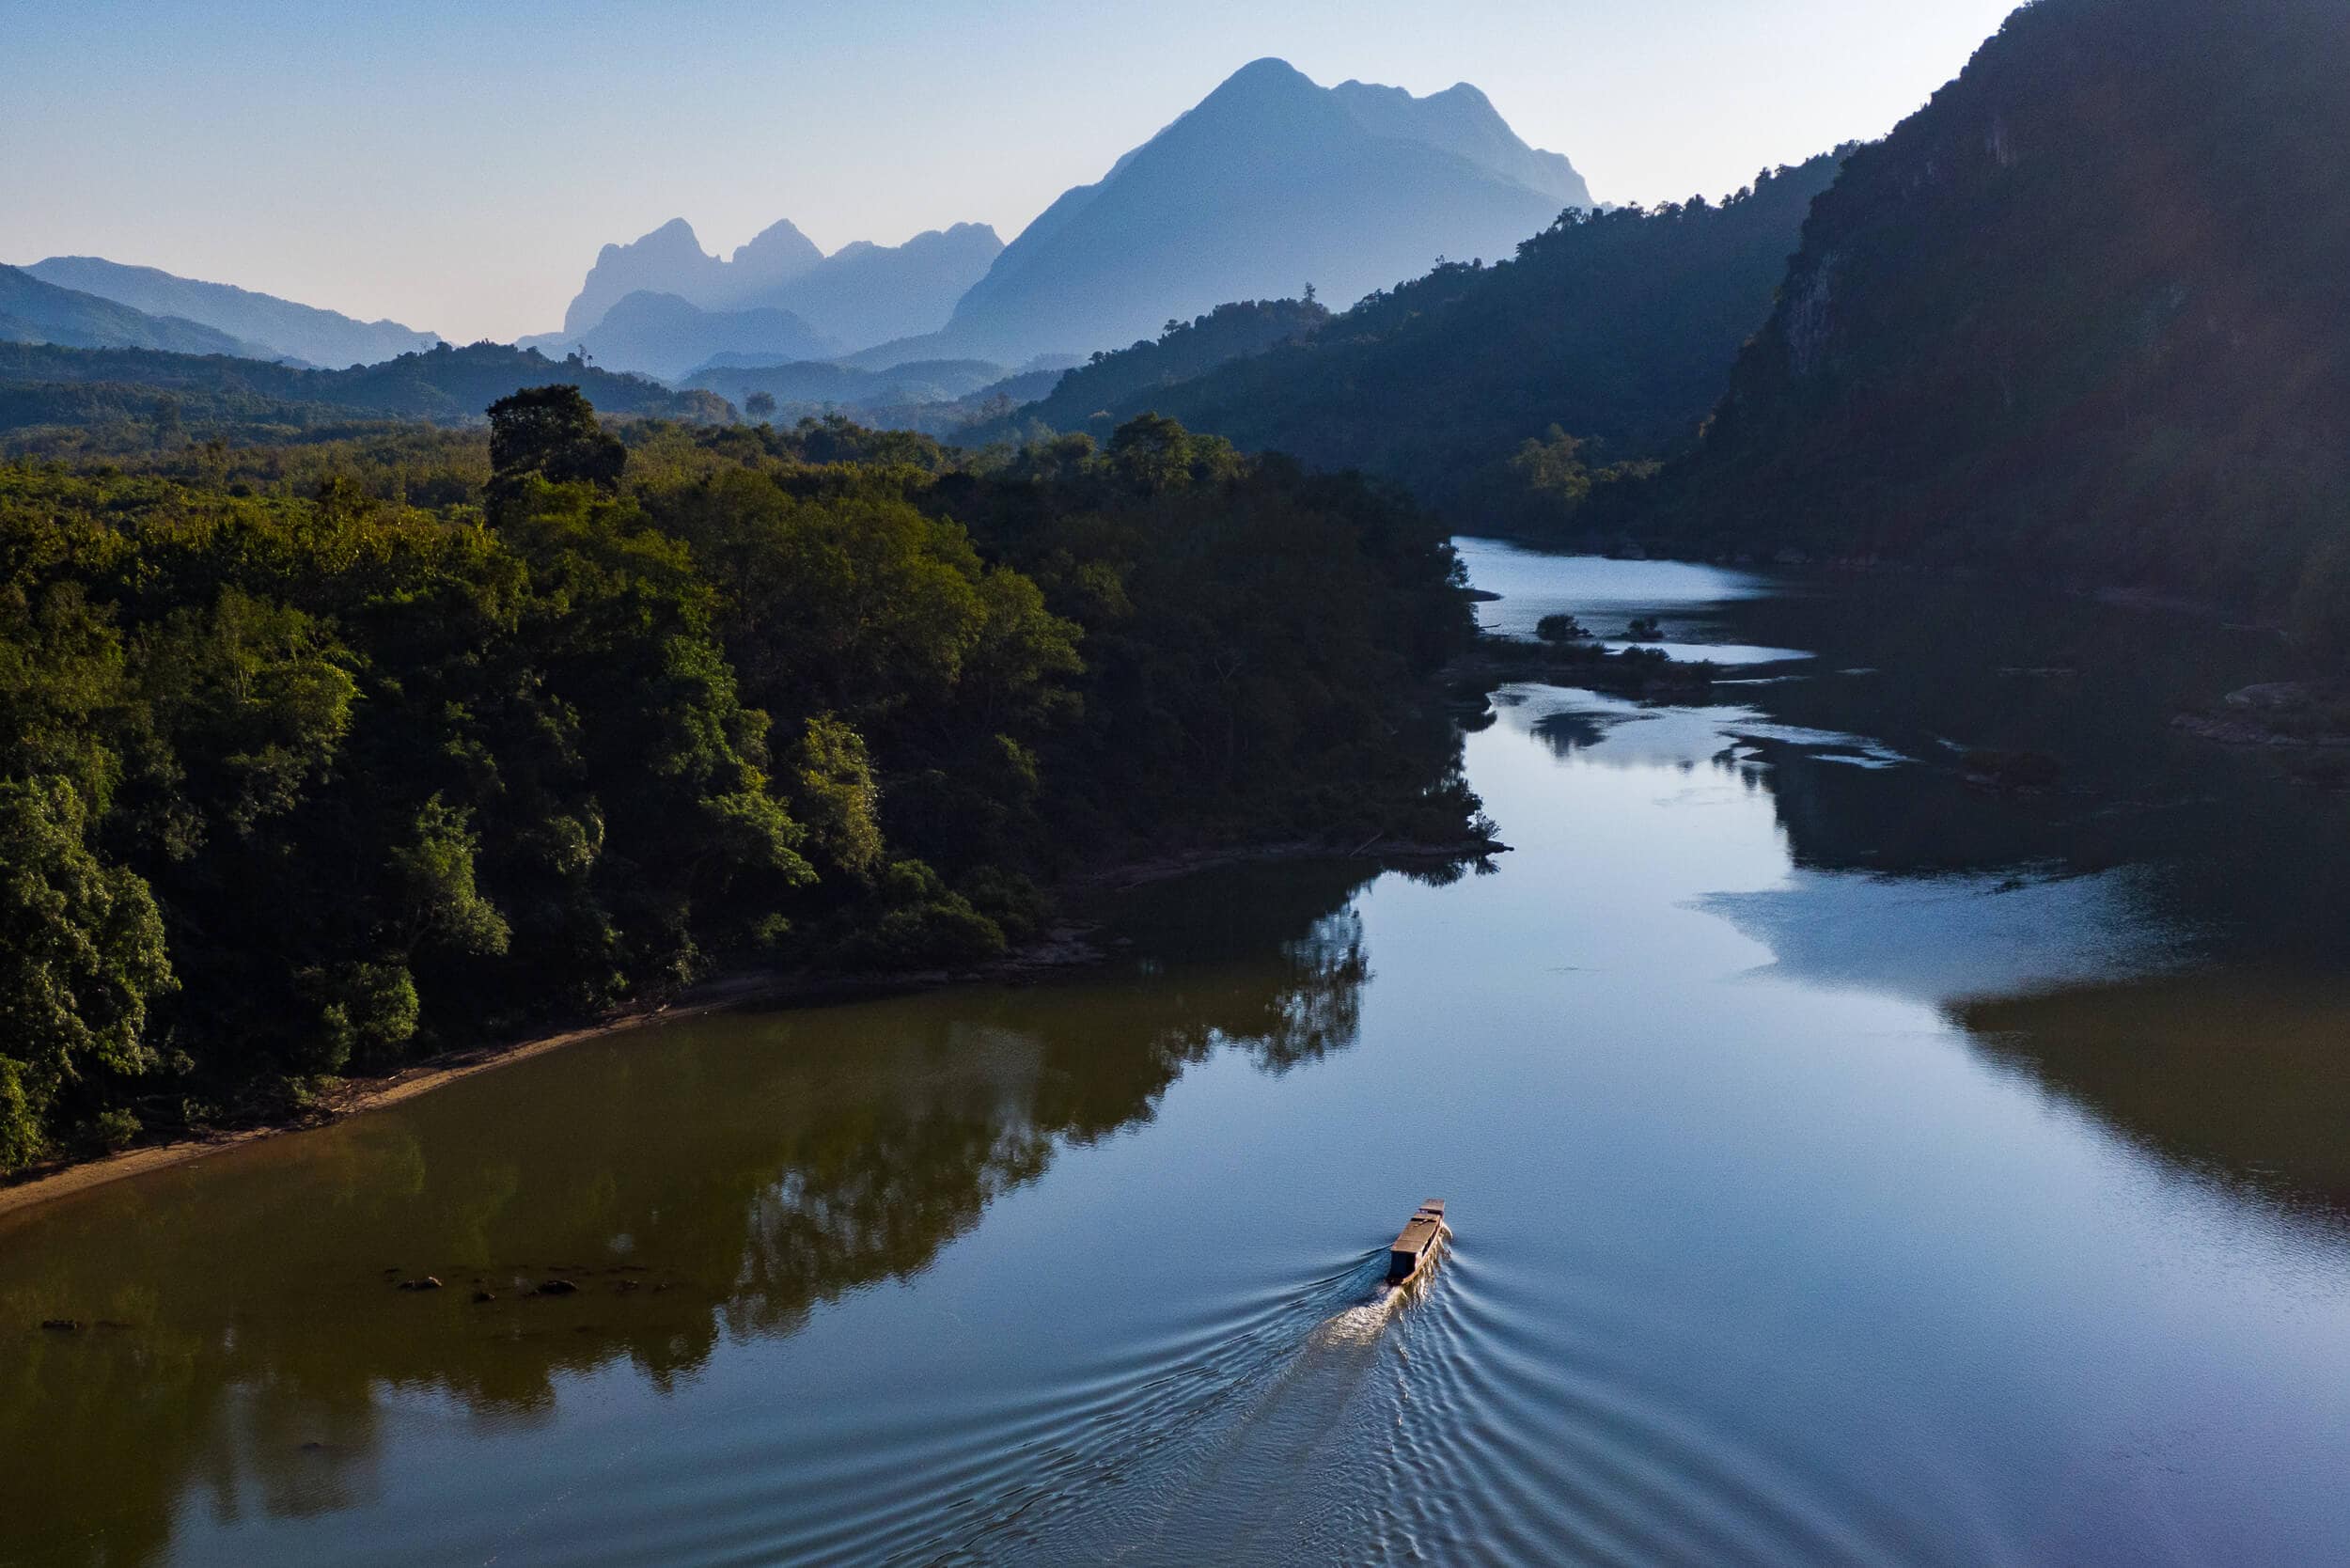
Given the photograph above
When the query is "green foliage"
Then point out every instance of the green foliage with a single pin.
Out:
(834, 790)
(82, 957)
(1561, 628)
(124, 401)
(552, 432)
(1617, 327)
(914, 922)
(1130, 377)
(366, 774)
(445, 901)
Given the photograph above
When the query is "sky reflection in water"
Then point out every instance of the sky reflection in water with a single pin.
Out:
(1848, 1167)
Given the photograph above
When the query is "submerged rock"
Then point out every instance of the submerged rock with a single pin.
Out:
(427, 1283)
(556, 1287)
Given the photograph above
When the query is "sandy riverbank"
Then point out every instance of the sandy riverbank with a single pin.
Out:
(1063, 948)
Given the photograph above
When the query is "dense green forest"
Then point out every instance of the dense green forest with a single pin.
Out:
(2083, 317)
(1131, 378)
(1491, 391)
(318, 758)
(63, 402)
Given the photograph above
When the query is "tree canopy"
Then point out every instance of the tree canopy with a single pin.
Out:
(313, 759)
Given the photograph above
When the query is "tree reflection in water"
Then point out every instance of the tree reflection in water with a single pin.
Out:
(718, 1178)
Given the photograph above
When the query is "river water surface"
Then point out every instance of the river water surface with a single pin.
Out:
(1846, 1167)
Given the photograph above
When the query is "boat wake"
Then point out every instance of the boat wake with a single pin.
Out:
(1366, 1320)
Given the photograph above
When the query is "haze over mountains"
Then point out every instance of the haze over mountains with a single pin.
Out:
(665, 335)
(32, 311)
(1270, 183)
(287, 330)
(861, 295)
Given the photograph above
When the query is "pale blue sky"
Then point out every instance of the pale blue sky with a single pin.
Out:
(457, 166)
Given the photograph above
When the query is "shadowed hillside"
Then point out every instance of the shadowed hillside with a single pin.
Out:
(2085, 316)
(1615, 328)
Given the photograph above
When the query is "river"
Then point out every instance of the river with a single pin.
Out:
(1847, 1166)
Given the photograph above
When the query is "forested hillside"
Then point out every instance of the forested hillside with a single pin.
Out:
(2086, 316)
(66, 401)
(299, 776)
(1615, 328)
(1131, 378)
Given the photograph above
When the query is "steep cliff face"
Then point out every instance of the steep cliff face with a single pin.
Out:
(2086, 313)
(669, 260)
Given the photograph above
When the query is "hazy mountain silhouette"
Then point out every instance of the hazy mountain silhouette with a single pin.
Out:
(862, 294)
(662, 335)
(32, 311)
(1271, 182)
(670, 260)
(2085, 316)
(284, 328)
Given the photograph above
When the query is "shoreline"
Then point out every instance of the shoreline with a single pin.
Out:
(1066, 947)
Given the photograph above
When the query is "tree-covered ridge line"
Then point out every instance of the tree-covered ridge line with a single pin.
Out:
(69, 401)
(417, 744)
(1488, 390)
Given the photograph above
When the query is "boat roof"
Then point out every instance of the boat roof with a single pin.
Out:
(1420, 1231)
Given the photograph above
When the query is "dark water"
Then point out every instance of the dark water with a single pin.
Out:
(1847, 1168)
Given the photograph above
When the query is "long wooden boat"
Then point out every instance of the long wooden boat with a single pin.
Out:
(1414, 1251)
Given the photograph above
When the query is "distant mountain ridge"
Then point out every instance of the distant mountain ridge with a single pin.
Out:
(1269, 183)
(662, 335)
(34, 311)
(863, 293)
(281, 327)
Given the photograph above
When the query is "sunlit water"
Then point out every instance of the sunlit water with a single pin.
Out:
(1845, 1166)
